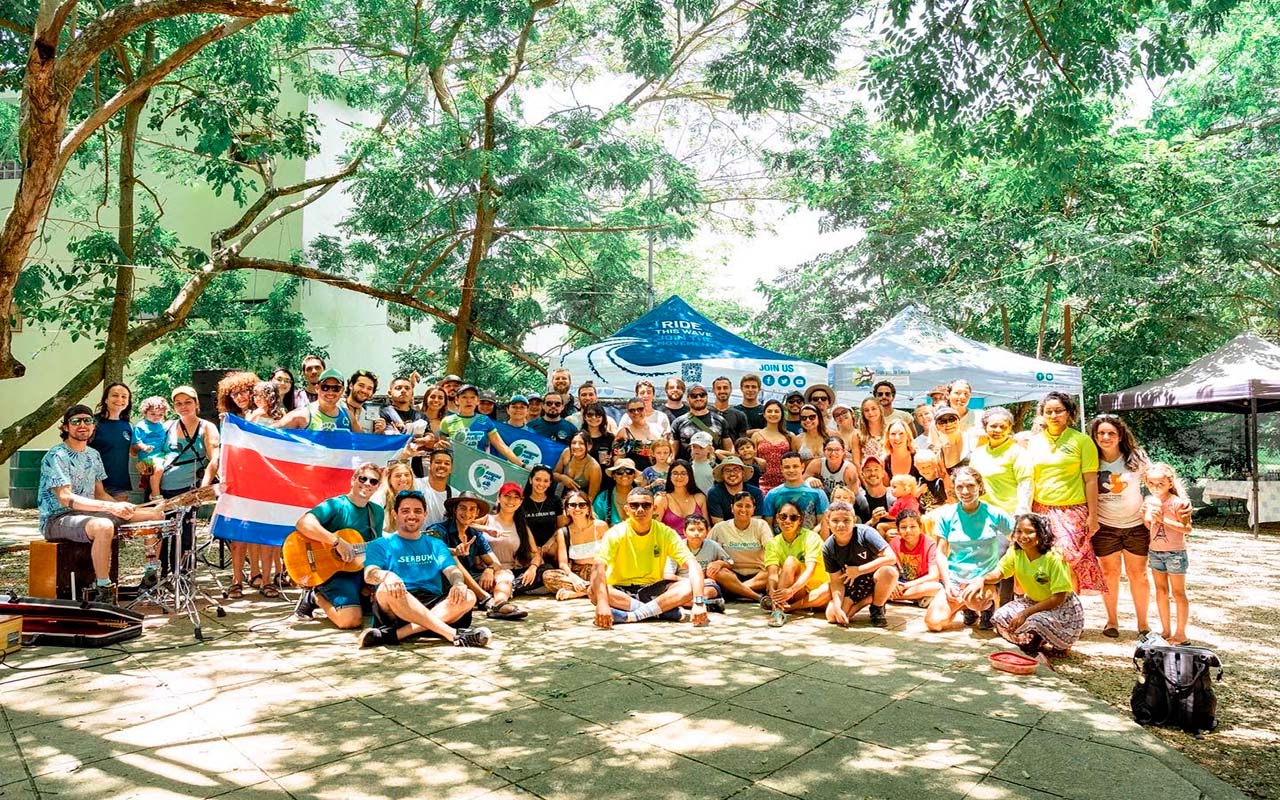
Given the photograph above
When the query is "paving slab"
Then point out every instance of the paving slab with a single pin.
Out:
(822, 705)
(631, 705)
(944, 736)
(848, 768)
(416, 768)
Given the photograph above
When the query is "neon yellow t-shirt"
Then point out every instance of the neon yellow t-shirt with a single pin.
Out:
(1039, 579)
(1001, 470)
(634, 559)
(1056, 467)
(805, 548)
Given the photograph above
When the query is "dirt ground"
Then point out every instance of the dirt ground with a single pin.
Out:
(1236, 615)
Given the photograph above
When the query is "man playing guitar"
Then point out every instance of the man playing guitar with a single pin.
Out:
(341, 596)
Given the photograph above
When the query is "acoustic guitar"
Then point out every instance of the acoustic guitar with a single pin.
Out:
(310, 563)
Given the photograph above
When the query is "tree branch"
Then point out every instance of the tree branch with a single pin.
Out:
(16, 27)
(143, 84)
(49, 23)
(1044, 43)
(119, 22)
(311, 273)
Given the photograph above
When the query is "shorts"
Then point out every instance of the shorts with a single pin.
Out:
(518, 589)
(860, 588)
(1109, 541)
(1173, 562)
(646, 592)
(70, 527)
(385, 619)
(344, 590)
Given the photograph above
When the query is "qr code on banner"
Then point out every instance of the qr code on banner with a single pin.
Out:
(691, 372)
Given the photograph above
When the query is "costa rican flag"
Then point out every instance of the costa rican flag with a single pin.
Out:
(271, 477)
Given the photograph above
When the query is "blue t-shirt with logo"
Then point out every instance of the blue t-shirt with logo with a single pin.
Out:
(811, 502)
(560, 431)
(62, 466)
(420, 562)
(472, 430)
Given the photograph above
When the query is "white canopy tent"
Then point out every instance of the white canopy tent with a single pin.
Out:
(916, 353)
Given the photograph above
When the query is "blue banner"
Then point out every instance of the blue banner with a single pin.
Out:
(529, 447)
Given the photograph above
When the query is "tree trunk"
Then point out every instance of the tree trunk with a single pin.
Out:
(460, 342)
(1066, 333)
(43, 120)
(1044, 319)
(116, 350)
(1004, 324)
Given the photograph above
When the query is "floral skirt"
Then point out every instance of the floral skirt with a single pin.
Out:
(1070, 525)
(1059, 628)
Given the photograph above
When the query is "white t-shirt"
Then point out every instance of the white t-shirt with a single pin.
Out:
(1119, 495)
(746, 547)
(435, 500)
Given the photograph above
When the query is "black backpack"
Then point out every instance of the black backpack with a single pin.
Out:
(1175, 687)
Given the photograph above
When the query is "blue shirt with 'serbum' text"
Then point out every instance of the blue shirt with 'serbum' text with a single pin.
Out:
(420, 562)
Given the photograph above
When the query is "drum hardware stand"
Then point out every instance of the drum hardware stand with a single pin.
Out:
(178, 590)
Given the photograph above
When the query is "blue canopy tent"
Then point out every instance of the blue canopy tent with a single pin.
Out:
(674, 339)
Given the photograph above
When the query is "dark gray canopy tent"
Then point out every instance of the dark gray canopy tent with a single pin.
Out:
(1241, 377)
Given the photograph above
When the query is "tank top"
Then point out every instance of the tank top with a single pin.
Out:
(582, 551)
(770, 454)
(830, 480)
(189, 456)
(317, 420)
(504, 542)
(676, 522)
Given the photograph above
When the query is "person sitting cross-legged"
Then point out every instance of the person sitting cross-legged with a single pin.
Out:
(627, 583)
(744, 537)
(797, 575)
(862, 566)
(407, 568)
(482, 571)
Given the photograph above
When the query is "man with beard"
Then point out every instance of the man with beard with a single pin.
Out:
(550, 425)
(400, 414)
(699, 418)
(360, 389)
(735, 421)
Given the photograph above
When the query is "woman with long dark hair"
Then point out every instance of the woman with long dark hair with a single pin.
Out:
(113, 437)
(283, 379)
(1122, 540)
(681, 499)
(771, 442)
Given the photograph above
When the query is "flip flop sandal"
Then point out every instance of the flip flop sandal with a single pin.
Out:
(236, 591)
(777, 618)
(507, 610)
(270, 591)
(1111, 632)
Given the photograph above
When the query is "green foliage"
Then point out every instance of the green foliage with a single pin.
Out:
(228, 333)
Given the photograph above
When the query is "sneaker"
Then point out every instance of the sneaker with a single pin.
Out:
(878, 617)
(306, 604)
(102, 593)
(149, 580)
(378, 637)
(777, 618)
(984, 620)
(969, 617)
(716, 604)
(472, 637)
(701, 620)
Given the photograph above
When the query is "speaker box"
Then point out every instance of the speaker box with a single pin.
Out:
(52, 564)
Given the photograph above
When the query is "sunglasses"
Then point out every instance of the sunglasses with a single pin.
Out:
(81, 421)
(949, 421)
(577, 504)
(884, 394)
(697, 395)
(808, 416)
(368, 480)
(843, 414)
(624, 472)
(639, 506)
(795, 400)
(635, 410)
(820, 398)
(789, 517)
(330, 387)
(552, 405)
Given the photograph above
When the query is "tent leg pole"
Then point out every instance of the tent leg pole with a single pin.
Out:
(1253, 435)
(1084, 427)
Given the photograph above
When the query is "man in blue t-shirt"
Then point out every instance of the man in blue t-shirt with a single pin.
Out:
(550, 424)
(473, 429)
(811, 502)
(409, 570)
(340, 596)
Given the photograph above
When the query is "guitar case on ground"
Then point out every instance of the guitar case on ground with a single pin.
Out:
(66, 623)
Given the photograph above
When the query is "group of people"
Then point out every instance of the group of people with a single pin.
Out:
(799, 504)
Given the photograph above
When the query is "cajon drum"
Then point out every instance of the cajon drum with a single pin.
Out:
(51, 565)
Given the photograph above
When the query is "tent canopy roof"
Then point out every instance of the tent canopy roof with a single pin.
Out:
(916, 353)
(1243, 369)
(674, 339)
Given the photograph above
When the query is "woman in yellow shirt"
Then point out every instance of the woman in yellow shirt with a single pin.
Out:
(1048, 616)
(1063, 463)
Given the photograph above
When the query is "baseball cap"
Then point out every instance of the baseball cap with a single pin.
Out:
(945, 411)
(184, 390)
(331, 373)
(794, 396)
(701, 439)
(510, 487)
(518, 399)
(488, 394)
(467, 387)
(451, 379)
(867, 459)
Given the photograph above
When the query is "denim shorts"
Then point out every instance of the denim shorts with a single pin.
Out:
(1173, 562)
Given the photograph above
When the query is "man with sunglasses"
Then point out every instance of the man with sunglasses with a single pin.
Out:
(327, 413)
(885, 393)
(792, 404)
(699, 419)
(409, 570)
(627, 579)
(75, 506)
(340, 597)
(550, 425)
